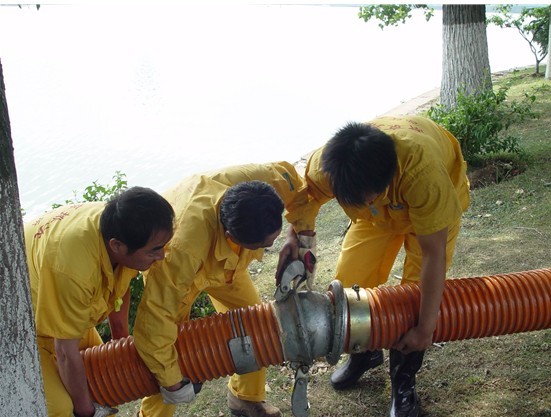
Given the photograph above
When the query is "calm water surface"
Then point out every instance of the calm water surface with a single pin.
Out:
(162, 92)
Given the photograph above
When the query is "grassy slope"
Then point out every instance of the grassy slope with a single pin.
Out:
(506, 229)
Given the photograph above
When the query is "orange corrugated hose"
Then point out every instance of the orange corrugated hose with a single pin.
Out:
(116, 374)
(471, 308)
(203, 348)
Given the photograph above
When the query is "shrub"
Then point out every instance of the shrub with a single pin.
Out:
(99, 192)
(202, 307)
(479, 121)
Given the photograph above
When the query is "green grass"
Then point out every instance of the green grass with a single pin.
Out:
(506, 229)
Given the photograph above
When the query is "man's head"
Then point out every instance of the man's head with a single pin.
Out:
(251, 214)
(136, 225)
(360, 161)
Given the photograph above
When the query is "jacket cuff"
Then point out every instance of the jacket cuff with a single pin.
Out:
(170, 376)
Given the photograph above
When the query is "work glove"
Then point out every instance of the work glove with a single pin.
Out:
(103, 410)
(185, 394)
(307, 254)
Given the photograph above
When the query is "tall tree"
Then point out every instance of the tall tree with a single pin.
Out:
(465, 62)
(21, 388)
(533, 25)
(548, 68)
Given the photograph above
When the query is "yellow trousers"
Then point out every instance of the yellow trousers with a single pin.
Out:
(58, 401)
(250, 387)
(369, 252)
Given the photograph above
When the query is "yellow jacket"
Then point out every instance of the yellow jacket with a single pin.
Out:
(73, 285)
(199, 257)
(429, 191)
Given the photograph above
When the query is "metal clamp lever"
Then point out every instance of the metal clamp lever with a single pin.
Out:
(299, 399)
(294, 271)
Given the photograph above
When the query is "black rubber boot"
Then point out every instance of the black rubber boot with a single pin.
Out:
(404, 401)
(355, 367)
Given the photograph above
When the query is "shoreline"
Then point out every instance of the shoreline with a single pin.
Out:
(407, 107)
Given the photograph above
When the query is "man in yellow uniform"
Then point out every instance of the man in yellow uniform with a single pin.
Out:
(81, 259)
(402, 181)
(225, 220)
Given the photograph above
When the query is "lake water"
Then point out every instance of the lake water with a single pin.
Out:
(162, 92)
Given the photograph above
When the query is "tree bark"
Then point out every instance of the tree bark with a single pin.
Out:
(21, 387)
(465, 62)
(548, 68)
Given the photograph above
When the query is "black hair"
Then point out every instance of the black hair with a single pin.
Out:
(134, 215)
(359, 160)
(251, 211)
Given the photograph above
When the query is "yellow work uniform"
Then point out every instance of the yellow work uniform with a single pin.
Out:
(428, 193)
(73, 287)
(200, 258)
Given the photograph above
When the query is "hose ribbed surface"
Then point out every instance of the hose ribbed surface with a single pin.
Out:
(116, 374)
(204, 353)
(471, 308)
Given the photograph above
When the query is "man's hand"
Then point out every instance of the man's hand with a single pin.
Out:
(184, 394)
(73, 375)
(414, 340)
(100, 411)
(104, 410)
(291, 250)
(307, 254)
(288, 253)
(432, 277)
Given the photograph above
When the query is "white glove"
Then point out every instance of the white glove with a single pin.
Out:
(307, 254)
(104, 410)
(185, 394)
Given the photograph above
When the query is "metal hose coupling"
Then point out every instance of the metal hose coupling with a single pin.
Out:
(352, 320)
(312, 325)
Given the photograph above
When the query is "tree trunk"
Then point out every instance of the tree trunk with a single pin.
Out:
(548, 69)
(21, 388)
(465, 62)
